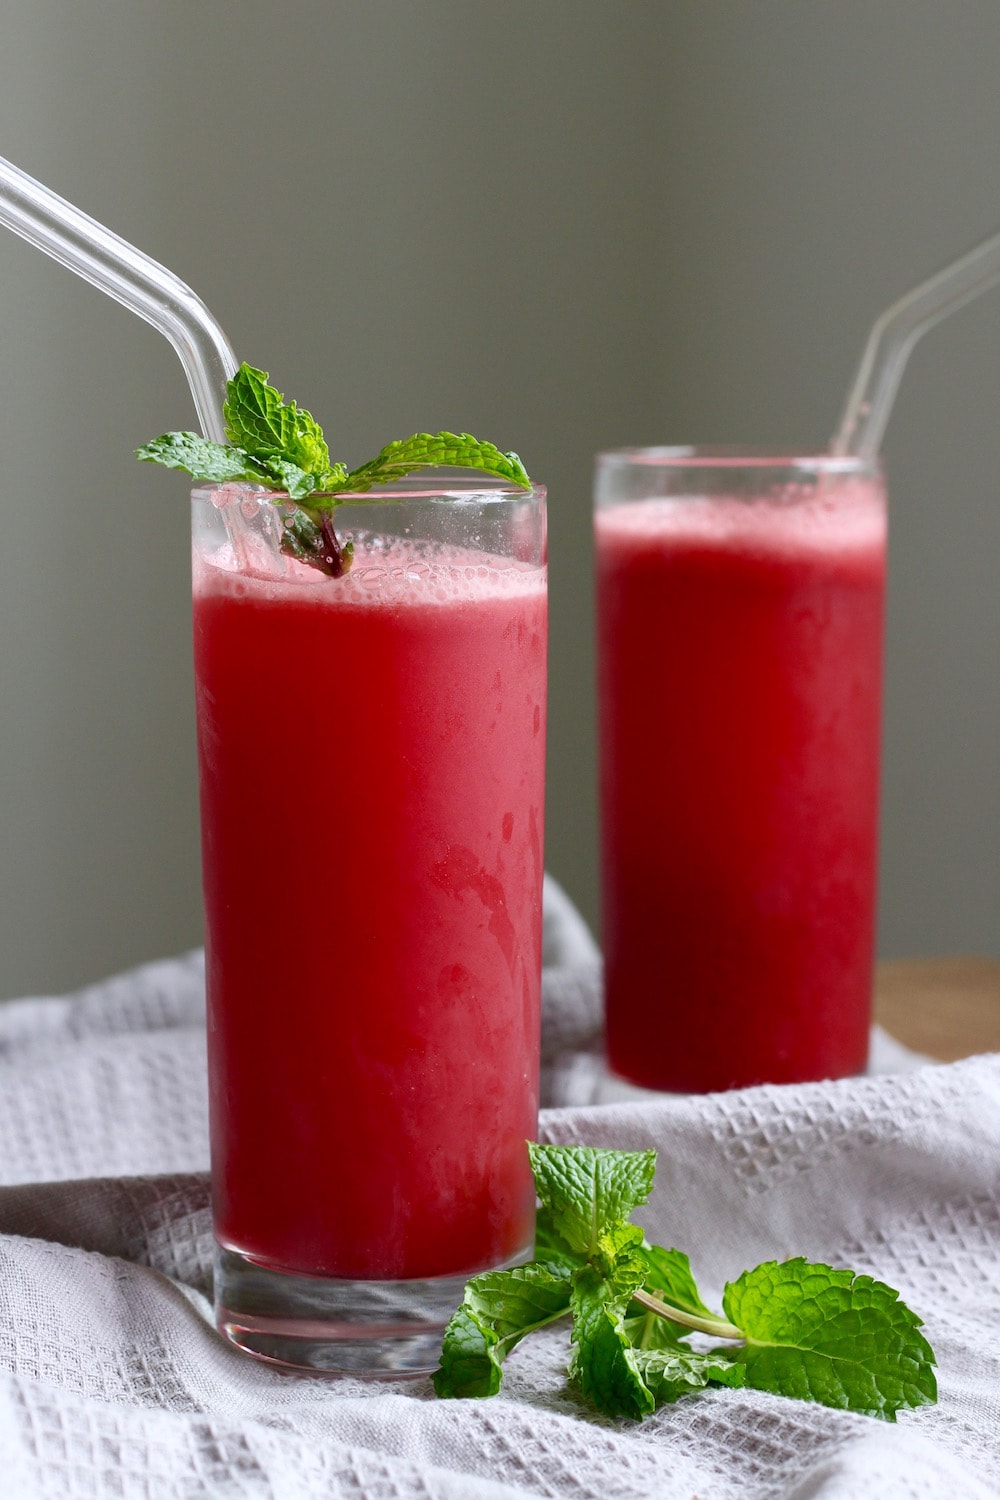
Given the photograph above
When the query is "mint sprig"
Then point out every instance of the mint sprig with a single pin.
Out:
(792, 1328)
(280, 446)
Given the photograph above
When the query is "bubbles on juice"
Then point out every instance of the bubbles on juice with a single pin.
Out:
(386, 571)
(836, 515)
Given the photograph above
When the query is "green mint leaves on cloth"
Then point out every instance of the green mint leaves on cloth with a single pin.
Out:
(797, 1329)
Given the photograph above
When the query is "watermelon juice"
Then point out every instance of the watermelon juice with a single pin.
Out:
(740, 652)
(371, 762)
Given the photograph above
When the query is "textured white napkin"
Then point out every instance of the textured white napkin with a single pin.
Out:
(113, 1383)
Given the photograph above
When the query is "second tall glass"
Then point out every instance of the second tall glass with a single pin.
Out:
(371, 756)
(740, 608)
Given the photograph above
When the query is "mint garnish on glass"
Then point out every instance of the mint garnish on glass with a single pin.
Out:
(276, 444)
(793, 1328)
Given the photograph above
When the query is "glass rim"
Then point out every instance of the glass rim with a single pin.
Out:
(731, 457)
(458, 487)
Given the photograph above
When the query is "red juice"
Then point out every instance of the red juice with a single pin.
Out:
(371, 757)
(740, 651)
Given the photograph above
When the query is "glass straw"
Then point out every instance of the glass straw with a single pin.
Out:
(894, 334)
(132, 278)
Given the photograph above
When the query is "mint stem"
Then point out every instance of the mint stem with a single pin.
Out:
(333, 555)
(716, 1328)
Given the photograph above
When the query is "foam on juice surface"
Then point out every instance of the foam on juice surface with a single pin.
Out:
(385, 572)
(847, 517)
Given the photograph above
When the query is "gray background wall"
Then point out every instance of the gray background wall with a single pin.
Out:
(561, 223)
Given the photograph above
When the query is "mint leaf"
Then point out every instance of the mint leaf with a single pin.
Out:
(498, 1309)
(605, 1365)
(671, 1373)
(830, 1336)
(550, 1248)
(258, 420)
(215, 463)
(588, 1190)
(426, 450)
(646, 1330)
(302, 537)
(618, 1243)
(296, 483)
(314, 541)
(668, 1274)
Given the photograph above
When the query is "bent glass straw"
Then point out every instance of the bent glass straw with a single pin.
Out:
(140, 283)
(894, 334)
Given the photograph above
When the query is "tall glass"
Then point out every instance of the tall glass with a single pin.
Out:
(740, 613)
(371, 756)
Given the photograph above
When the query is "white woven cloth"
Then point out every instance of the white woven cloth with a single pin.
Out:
(113, 1382)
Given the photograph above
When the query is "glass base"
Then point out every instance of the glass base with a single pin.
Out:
(368, 1329)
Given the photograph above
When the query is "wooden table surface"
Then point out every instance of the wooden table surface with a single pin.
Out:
(945, 1007)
